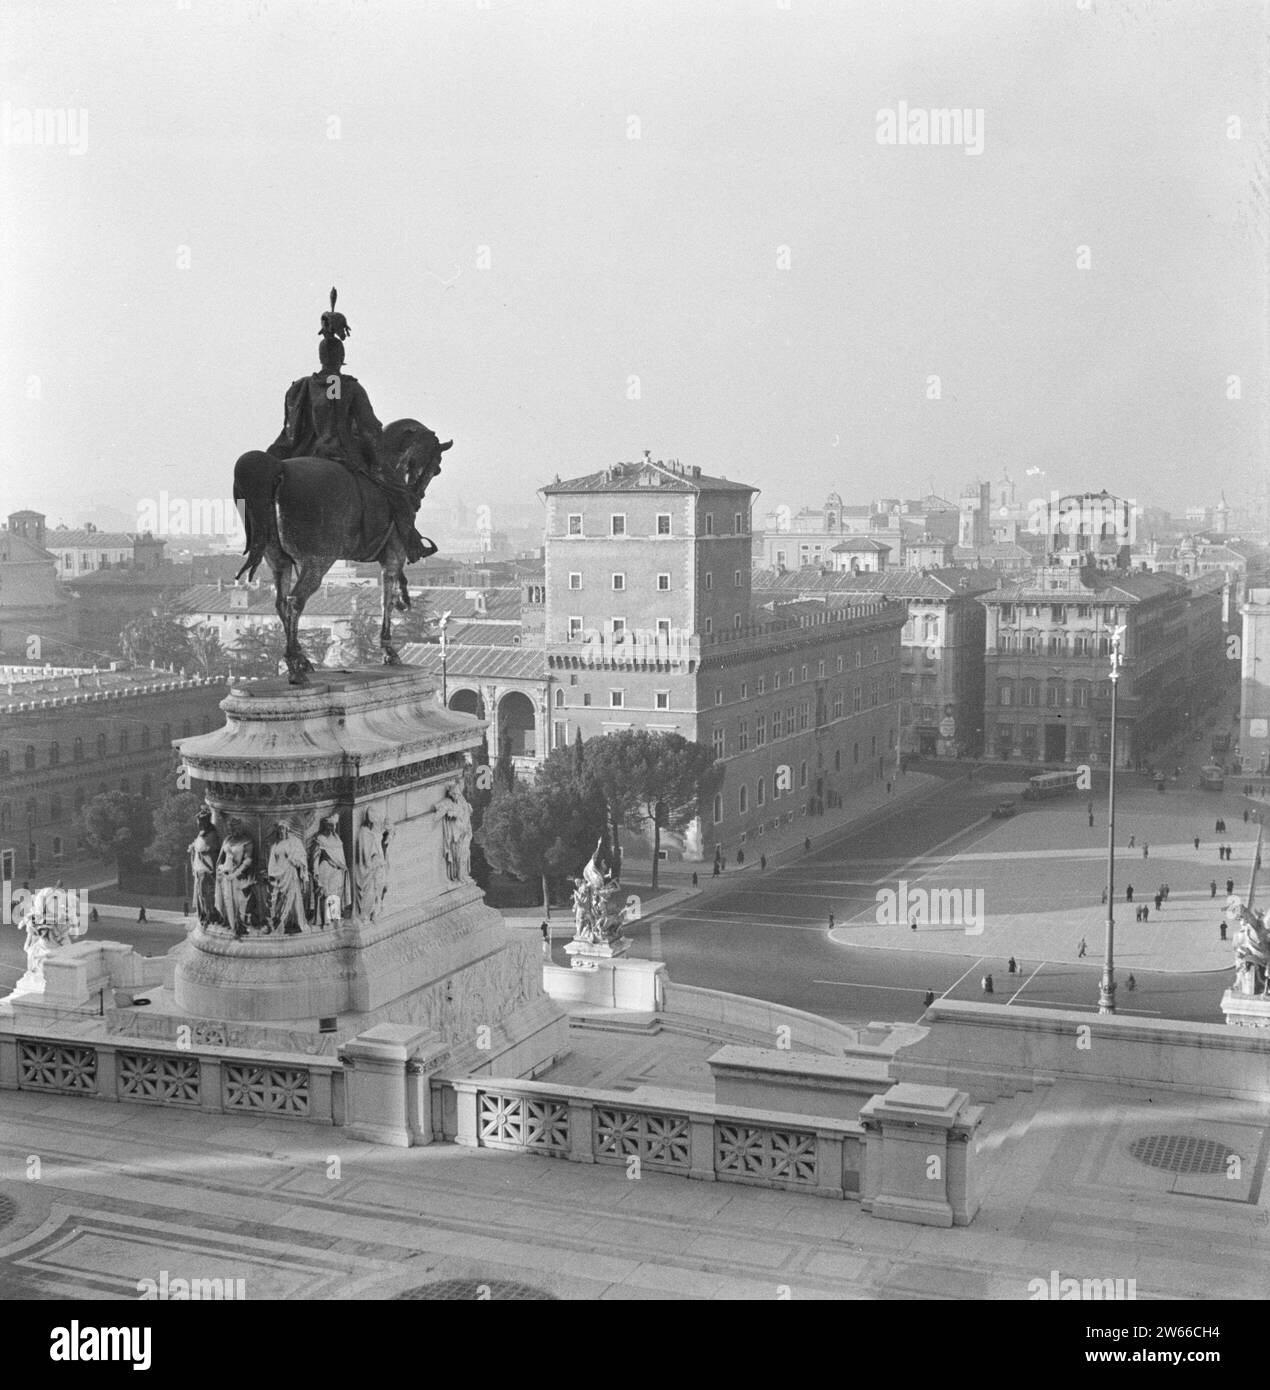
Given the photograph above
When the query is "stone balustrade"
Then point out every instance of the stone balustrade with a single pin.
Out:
(669, 1132)
(219, 1080)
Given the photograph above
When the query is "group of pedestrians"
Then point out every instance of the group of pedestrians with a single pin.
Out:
(1224, 852)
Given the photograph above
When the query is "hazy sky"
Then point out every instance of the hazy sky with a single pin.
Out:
(165, 268)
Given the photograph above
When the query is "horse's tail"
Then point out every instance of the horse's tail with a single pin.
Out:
(257, 478)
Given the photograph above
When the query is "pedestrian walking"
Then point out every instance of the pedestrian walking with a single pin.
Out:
(1104, 895)
(888, 789)
(1230, 886)
(1080, 950)
(1245, 817)
(1131, 984)
(1166, 892)
(912, 926)
(1146, 850)
(740, 856)
(1221, 927)
(1091, 818)
(1131, 839)
(831, 921)
(141, 916)
(1146, 912)
(1158, 901)
(1013, 966)
(986, 982)
(1217, 827)
(929, 998)
(1128, 894)
(546, 939)
(715, 874)
(1212, 887)
(1197, 842)
(762, 861)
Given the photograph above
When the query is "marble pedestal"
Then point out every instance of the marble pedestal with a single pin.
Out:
(1246, 1010)
(417, 944)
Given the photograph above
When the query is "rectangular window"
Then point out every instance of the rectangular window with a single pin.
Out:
(617, 699)
(709, 523)
(762, 685)
(736, 523)
(575, 628)
(820, 670)
(802, 774)
(709, 580)
(857, 699)
(663, 523)
(619, 582)
(760, 730)
(662, 699)
(778, 724)
(717, 743)
(803, 714)
(575, 523)
(840, 663)
(736, 579)
(776, 681)
(743, 735)
(837, 705)
(617, 625)
(718, 695)
(560, 734)
(586, 698)
(743, 801)
(617, 523)
(663, 582)
(663, 627)
(575, 579)
(873, 694)
(709, 626)
(762, 790)
(745, 690)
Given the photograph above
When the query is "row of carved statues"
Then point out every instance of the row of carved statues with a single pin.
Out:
(292, 884)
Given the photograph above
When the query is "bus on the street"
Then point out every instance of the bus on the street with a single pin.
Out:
(1047, 784)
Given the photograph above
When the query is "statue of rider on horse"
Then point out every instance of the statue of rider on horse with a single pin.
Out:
(335, 485)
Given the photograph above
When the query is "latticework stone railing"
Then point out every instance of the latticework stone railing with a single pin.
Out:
(701, 1140)
(220, 1080)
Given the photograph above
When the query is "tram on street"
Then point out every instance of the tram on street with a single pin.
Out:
(1048, 784)
(1212, 778)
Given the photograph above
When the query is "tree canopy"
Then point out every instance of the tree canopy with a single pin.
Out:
(118, 824)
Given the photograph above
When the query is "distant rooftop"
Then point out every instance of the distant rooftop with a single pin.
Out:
(29, 687)
(671, 476)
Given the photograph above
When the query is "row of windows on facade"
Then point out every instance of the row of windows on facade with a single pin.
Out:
(1055, 644)
(57, 806)
(1083, 693)
(761, 681)
(124, 744)
(617, 580)
(617, 524)
(1011, 612)
(617, 626)
(1029, 741)
(760, 786)
(796, 718)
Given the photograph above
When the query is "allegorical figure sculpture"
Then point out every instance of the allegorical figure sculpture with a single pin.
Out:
(596, 914)
(370, 861)
(456, 832)
(49, 926)
(288, 881)
(335, 484)
(1252, 947)
(329, 869)
(204, 851)
(236, 879)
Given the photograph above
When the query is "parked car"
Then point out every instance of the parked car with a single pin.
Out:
(1003, 809)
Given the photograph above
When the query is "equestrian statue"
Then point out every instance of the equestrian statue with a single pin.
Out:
(335, 485)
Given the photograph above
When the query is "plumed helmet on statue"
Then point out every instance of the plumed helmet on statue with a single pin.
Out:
(335, 325)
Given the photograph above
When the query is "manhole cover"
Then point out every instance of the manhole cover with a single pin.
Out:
(1181, 1153)
(8, 1209)
(477, 1289)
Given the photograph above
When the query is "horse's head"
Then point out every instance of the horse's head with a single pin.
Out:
(413, 452)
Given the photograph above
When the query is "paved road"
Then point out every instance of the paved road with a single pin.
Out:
(767, 936)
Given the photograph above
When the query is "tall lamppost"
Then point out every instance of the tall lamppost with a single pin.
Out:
(1107, 989)
(443, 623)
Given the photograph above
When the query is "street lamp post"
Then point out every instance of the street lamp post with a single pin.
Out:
(1107, 988)
(445, 695)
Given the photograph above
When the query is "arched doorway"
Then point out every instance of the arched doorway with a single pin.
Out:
(468, 702)
(517, 725)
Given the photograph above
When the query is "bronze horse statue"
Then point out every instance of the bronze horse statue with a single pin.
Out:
(303, 514)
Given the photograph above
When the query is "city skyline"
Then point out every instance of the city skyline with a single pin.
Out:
(705, 231)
